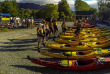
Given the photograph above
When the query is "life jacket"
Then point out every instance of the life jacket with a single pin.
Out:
(63, 25)
(47, 26)
(66, 63)
(56, 23)
(40, 31)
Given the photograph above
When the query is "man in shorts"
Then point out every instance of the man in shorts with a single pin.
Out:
(39, 34)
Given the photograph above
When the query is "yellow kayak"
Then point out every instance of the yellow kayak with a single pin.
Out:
(62, 41)
(78, 54)
(85, 33)
(85, 36)
(85, 30)
(94, 28)
(85, 46)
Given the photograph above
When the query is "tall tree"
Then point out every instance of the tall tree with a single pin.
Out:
(63, 6)
(81, 6)
(27, 13)
(0, 7)
(103, 4)
(10, 7)
(33, 14)
(21, 13)
(49, 11)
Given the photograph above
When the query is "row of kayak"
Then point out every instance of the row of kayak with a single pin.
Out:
(86, 53)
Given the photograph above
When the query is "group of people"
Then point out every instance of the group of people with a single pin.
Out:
(18, 22)
(44, 30)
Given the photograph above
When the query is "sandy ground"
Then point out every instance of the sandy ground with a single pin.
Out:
(14, 48)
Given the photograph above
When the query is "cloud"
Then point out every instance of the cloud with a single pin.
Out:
(41, 2)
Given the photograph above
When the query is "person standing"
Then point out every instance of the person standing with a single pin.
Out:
(44, 30)
(55, 27)
(78, 29)
(47, 30)
(50, 27)
(28, 23)
(39, 34)
(63, 27)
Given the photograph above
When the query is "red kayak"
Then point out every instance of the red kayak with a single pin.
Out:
(75, 65)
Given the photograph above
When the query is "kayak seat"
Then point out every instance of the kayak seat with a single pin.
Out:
(73, 40)
(67, 45)
(88, 45)
(98, 43)
(67, 54)
(80, 63)
(89, 32)
(108, 49)
(80, 53)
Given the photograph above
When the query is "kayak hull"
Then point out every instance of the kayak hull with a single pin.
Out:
(78, 47)
(95, 65)
(78, 55)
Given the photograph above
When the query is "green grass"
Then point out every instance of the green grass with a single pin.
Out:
(7, 30)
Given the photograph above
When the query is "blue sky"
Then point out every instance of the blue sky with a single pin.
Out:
(92, 3)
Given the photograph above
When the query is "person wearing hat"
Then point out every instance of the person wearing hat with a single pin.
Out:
(78, 28)
(39, 34)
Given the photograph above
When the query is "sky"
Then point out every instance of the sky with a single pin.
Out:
(92, 3)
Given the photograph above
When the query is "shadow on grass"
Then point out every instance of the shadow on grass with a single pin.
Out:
(21, 41)
(46, 70)
(19, 45)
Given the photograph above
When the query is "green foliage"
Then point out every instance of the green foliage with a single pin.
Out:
(10, 7)
(21, 13)
(64, 9)
(25, 13)
(62, 15)
(102, 5)
(49, 11)
(94, 9)
(33, 14)
(81, 6)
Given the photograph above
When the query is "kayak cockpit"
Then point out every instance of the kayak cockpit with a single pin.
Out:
(84, 62)
(74, 63)
(76, 53)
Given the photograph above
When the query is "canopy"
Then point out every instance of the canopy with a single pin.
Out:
(3, 14)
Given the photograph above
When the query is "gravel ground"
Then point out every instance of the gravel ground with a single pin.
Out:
(16, 45)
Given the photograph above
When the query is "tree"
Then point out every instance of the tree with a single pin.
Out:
(49, 11)
(64, 9)
(62, 15)
(33, 14)
(21, 13)
(94, 9)
(0, 7)
(27, 13)
(9, 7)
(103, 4)
(81, 6)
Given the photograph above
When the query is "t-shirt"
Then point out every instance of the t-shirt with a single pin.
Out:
(43, 26)
(78, 25)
